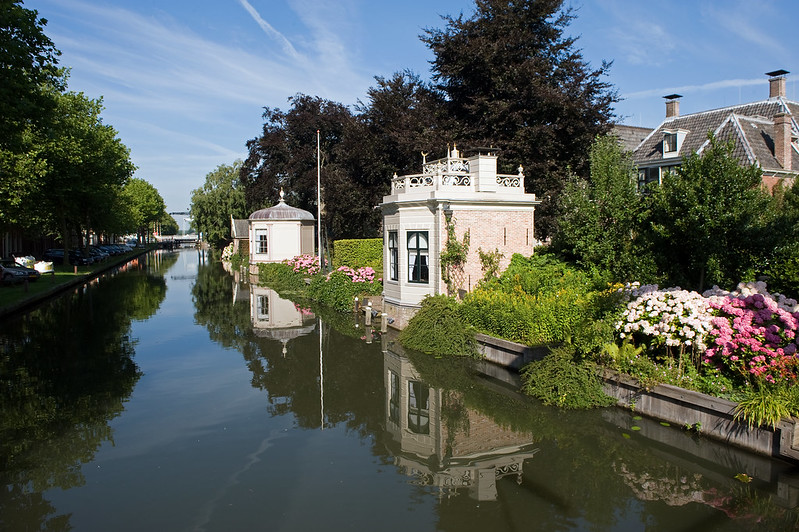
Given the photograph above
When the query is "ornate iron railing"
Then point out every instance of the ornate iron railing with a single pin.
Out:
(450, 174)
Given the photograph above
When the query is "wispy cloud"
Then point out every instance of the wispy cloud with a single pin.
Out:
(754, 22)
(272, 32)
(706, 87)
(159, 76)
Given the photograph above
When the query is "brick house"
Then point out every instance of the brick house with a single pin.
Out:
(467, 192)
(763, 133)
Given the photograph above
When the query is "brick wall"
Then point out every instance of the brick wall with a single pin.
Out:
(510, 231)
(485, 435)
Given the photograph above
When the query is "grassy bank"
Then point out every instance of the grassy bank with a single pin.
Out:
(17, 296)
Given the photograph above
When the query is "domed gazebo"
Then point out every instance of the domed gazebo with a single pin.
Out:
(280, 232)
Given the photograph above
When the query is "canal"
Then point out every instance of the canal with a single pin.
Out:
(170, 395)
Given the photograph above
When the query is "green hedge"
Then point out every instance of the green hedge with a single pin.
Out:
(359, 253)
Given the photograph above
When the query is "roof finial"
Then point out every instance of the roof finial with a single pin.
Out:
(282, 194)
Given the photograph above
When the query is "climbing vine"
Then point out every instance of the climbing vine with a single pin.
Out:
(489, 262)
(453, 257)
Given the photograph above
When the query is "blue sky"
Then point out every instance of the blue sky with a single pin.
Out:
(185, 82)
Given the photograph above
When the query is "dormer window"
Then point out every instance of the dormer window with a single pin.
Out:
(669, 142)
(672, 142)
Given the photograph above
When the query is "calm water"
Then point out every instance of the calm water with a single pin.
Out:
(168, 396)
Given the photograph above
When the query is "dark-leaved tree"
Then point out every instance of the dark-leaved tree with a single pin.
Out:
(513, 79)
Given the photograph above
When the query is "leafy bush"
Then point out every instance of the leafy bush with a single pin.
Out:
(280, 277)
(783, 272)
(536, 300)
(339, 288)
(560, 380)
(437, 329)
(359, 253)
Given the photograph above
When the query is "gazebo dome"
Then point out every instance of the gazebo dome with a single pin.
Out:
(282, 211)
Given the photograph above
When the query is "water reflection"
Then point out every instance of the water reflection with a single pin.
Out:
(438, 441)
(66, 370)
(464, 437)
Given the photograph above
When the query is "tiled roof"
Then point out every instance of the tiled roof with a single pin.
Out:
(749, 126)
(630, 136)
(241, 228)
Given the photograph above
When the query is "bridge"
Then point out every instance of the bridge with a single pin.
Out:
(178, 240)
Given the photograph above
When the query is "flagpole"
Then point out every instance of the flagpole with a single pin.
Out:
(319, 199)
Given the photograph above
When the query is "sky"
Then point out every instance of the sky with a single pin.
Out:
(185, 83)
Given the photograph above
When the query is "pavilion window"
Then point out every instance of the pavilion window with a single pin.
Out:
(418, 407)
(418, 250)
(393, 256)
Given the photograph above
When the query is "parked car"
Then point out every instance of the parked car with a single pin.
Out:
(11, 272)
(97, 254)
(56, 256)
(76, 257)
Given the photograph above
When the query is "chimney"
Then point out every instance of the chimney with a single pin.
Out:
(672, 105)
(782, 140)
(776, 83)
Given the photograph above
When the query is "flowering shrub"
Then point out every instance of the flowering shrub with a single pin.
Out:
(361, 275)
(754, 337)
(227, 252)
(748, 335)
(667, 318)
(305, 264)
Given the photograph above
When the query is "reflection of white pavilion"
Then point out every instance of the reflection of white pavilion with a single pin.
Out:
(472, 458)
(277, 318)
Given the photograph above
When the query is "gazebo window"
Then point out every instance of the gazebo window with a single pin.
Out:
(418, 407)
(418, 270)
(393, 255)
(261, 241)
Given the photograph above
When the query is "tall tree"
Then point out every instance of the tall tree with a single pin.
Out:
(709, 220)
(28, 65)
(285, 153)
(146, 204)
(599, 218)
(401, 118)
(82, 163)
(515, 80)
(220, 199)
(28, 79)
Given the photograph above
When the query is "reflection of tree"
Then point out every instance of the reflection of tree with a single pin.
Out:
(65, 371)
(352, 374)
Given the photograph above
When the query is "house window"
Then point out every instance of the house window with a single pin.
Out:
(261, 242)
(418, 270)
(669, 142)
(393, 255)
(418, 408)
